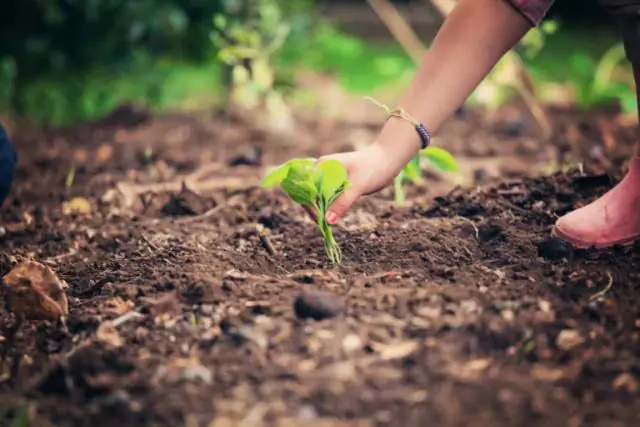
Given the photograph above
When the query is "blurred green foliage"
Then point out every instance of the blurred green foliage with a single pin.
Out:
(63, 61)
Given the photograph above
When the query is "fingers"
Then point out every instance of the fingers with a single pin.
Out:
(342, 205)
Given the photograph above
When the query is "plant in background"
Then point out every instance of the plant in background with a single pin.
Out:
(247, 35)
(315, 187)
(533, 42)
(595, 85)
(440, 158)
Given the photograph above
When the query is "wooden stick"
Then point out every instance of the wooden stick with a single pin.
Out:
(399, 28)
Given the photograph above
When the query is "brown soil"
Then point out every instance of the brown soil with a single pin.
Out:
(456, 310)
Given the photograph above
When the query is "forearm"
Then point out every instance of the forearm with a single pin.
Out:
(472, 39)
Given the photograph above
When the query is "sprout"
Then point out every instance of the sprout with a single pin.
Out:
(438, 157)
(314, 186)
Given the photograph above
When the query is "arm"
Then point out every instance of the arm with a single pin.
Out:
(472, 40)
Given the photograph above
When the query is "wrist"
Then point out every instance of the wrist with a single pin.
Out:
(400, 141)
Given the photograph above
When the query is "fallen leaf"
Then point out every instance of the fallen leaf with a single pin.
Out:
(478, 364)
(396, 350)
(118, 306)
(546, 373)
(166, 304)
(184, 369)
(108, 334)
(568, 339)
(626, 381)
(34, 292)
(104, 153)
(77, 205)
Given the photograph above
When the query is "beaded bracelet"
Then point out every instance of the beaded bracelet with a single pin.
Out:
(425, 136)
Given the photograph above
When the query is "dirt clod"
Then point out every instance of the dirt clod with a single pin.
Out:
(555, 249)
(569, 339)
(317, 305)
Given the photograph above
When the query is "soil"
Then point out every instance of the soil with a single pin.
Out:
(455, 310)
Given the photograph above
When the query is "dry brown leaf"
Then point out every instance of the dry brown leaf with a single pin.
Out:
(118, 306)
(166, 304)
(34, 292)
(568, 339)
(77, 205)
(546, 373)
(626, 381)
(478, 364)
(322, 422)
(396, 350)
(104, 153)
(108, 334)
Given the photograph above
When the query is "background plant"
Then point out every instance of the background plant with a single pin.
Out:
(437, 157)
(595, 83)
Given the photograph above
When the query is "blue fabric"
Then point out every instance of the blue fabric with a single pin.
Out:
(8, 162)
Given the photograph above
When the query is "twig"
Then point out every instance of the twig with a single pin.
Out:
(196, 182)
(148, 242)
(208, 214)
(130, 315)
(399, 28)
(264, 239)
(475, 228)
(606, 289)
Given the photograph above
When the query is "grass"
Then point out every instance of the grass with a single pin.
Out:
(362, 68)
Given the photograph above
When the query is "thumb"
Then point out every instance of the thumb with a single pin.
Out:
(341, 205)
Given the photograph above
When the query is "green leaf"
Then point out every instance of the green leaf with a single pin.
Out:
(275, 176)
(303, 193)
(441, 159)
(301, 170)
(220, 22)
(412, 169)
(278, 174)
(333, 177)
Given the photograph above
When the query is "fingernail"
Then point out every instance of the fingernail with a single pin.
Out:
(331, 217)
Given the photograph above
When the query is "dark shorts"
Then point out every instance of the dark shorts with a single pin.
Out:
(627, 12)
(8, 162)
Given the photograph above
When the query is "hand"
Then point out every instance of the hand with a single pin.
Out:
(370, 170)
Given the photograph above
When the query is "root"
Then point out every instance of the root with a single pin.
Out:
(604, 291)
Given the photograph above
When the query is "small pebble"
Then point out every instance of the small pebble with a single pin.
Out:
(251, 157)
(555, 249)
(351, 343)
(317, 305)
(307, 412)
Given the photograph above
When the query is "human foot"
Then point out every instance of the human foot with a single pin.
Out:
(613, 219)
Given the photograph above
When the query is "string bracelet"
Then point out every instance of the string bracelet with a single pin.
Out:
(425, 136)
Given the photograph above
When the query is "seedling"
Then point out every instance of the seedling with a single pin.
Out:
(315, 186)
(440, 158)
(247, 36)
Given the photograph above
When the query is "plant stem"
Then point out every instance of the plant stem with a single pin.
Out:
(330, 245)
(398, 190)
